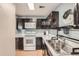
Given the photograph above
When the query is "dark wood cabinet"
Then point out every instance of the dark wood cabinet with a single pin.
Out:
(54, 19)
(51, 22)
(39, 43)
(19, 23)
(40, 24)
(19, 43)
(76, 15)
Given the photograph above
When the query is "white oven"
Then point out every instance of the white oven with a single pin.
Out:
(29, 43)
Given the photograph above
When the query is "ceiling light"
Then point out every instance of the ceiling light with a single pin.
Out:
(31, 6)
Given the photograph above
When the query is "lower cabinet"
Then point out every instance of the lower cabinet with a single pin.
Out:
(39, 43)
(19, 43)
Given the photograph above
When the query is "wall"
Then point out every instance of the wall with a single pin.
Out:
(73, 33)
(62, 8)
(7, 29)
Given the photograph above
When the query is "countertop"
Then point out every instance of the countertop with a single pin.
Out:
(54, 53)
(33, 33)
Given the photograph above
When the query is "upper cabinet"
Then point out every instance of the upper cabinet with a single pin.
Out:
(19, 23)
(76, 15)
(53, 18)
(51, 22)
(25, 23)
(41, 24)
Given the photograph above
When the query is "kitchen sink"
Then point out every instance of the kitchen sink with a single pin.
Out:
(58, 46)
(55, 44)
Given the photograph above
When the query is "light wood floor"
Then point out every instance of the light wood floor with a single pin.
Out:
(29, 53)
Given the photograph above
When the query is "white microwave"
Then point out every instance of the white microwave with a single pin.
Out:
(30, 25)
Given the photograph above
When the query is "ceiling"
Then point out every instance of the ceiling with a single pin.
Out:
(23, 10)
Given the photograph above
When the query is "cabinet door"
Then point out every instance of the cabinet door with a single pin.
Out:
(19, 23)
(42, 24)
(54, 19)
(19, 43)
(39, 43)
(38, 24)
(76, 15)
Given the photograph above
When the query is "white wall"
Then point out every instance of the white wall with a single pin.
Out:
(72, 33)
(62, 8)
(7, 29)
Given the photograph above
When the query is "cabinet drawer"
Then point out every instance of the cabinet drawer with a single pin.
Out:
(29, 48)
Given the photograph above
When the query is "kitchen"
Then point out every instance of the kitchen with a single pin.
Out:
(51, 35)
(45, 29)
(34, 30)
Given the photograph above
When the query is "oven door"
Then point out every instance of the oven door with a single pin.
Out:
(29, 41)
